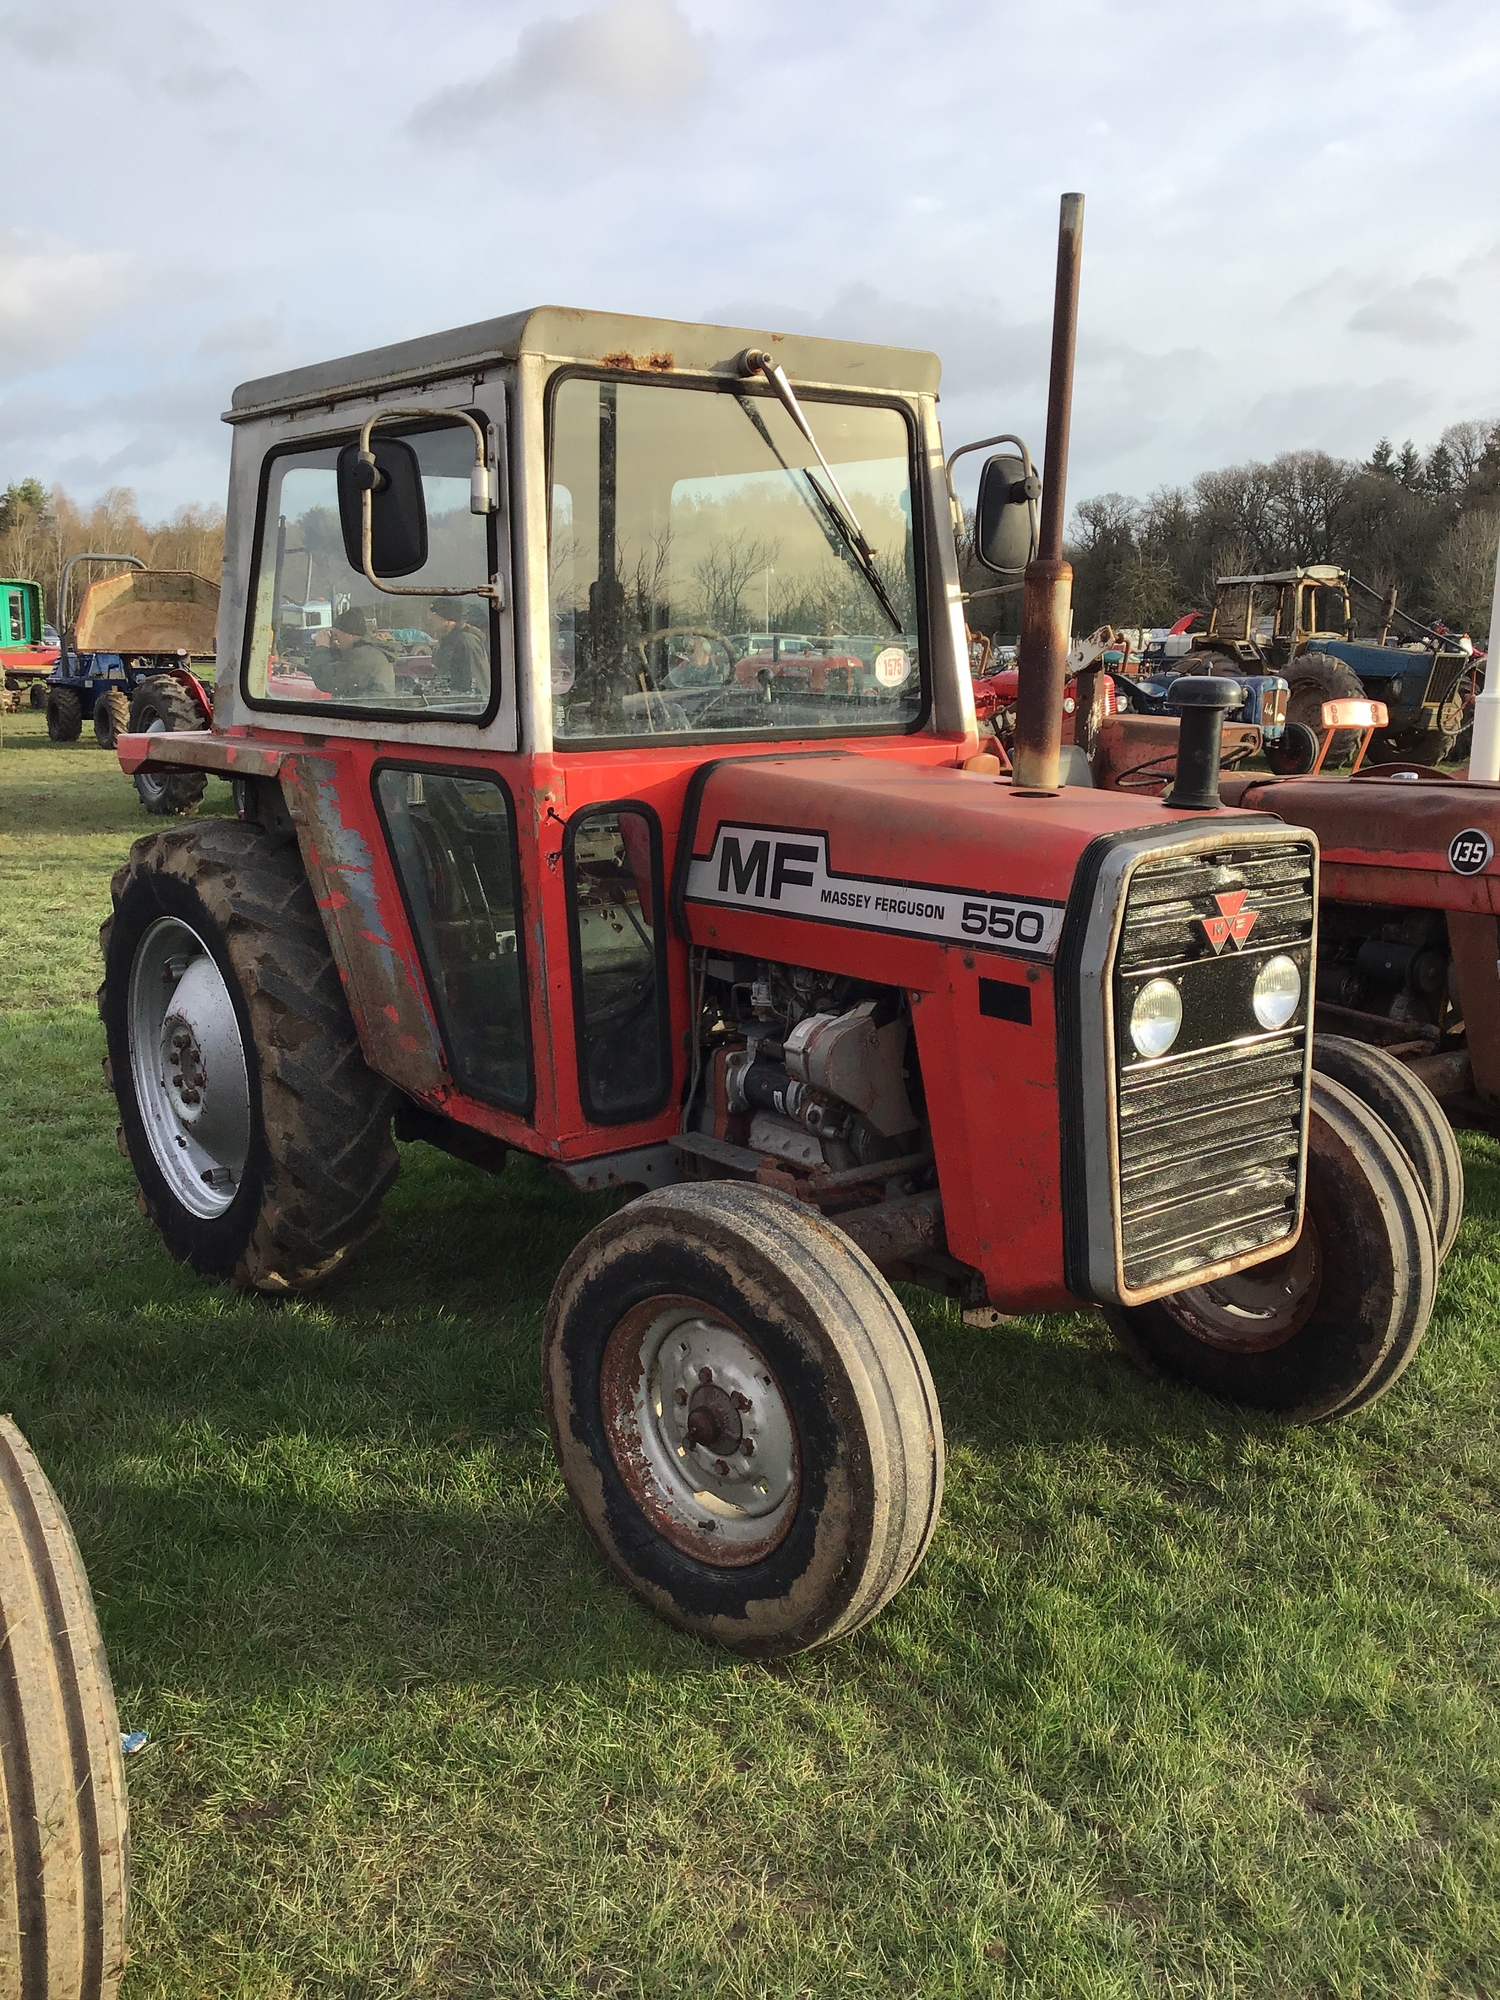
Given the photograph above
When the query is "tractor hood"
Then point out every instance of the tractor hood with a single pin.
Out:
(1434, 842)
(872, 861)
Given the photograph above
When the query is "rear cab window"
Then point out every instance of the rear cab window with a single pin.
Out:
(322, 638)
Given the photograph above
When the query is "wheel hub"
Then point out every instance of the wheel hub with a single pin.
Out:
(700, 1431)
(188, 1067)
(1260, 1307)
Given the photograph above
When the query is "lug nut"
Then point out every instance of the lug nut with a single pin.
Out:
(721, 1466)
(705, 1374)
(747, 1446)
(682, 1395)
(740, 1400)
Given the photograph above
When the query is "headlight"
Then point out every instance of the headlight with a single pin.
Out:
(1278, 988)
(1157, 1015)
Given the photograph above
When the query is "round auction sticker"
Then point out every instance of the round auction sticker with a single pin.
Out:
(1470, 851)
(892, 666)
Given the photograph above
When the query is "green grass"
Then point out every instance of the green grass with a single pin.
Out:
(1181, 1703)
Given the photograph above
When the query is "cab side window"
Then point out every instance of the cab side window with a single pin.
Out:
(615, 913)
(453, 843)
(321, 635)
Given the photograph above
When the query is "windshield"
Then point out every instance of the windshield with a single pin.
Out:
(701, 584)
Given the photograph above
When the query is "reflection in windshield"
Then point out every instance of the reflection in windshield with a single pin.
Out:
(699, 583)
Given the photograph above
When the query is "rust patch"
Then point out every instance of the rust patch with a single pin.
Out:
(639, 364)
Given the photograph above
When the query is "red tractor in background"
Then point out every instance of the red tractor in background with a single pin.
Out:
(849, 1006)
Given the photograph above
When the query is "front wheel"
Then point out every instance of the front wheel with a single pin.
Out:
(261, 1141)
(111, 717)
(160, 703)
(1327, 1327)
(64, 715)
(743, 1416)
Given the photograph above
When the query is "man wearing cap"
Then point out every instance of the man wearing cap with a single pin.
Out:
(354, 667)
(462, 659)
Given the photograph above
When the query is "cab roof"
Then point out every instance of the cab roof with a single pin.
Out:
(600, 340)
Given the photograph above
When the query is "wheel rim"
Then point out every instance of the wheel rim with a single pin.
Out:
(683, 1392)
(151, 786)
(1258, 1308)
(188, 1068)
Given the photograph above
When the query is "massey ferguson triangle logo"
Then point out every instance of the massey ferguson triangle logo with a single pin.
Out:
(1233, 921)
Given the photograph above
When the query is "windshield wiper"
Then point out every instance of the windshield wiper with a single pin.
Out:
(850, 533)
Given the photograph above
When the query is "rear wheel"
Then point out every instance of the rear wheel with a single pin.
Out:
(111, 717)
(1403, 1103)
(1314, 678)
(161, 703)
(743, 1416)
(1326, 1328)
(64, 715)
(64, 1838)
(38, 695)
(260, 1138)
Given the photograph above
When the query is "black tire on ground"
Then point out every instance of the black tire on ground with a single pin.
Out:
(1432, 746)
(160, 703)
(38, 694)
(64, 715)
(264, 1158)
(706, 1316)
(1314, 678)
(111, 717)
(64, 1833)
(1294, 752)
(1326, 1328)
(1405, 1104)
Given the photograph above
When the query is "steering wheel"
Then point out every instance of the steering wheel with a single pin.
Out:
(685, 632)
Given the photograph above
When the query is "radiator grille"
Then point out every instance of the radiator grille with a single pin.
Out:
(1209, 1137)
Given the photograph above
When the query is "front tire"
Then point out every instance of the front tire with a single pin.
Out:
(260, 1138)
(1404, 1104)
(160, 703)
(64, 715)
(705, 1319)
(64, 1829)
(1326, 1328)
(111, 717)
(1314, 678)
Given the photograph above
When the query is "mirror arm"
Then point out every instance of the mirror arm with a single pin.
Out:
(482, 500)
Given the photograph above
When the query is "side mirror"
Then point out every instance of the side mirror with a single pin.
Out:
(1005, 515)
(398, 513)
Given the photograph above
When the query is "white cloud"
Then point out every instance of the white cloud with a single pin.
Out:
(639, 56)
(1412, 314)
(53, 295)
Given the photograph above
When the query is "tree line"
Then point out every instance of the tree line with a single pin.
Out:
(41, 527)
(1428, 523)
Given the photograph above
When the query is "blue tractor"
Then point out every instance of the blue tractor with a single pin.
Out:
(127, 663)
(1299, 623)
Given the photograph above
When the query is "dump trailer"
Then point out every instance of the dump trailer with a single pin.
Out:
(789, 959)
(128, 663)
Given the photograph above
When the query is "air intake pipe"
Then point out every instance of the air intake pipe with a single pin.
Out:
(1205, 700)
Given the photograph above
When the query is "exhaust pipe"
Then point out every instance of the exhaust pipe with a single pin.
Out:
(1484, 750)
(1042, 657)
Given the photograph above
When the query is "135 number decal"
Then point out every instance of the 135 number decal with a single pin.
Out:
(1002, 922)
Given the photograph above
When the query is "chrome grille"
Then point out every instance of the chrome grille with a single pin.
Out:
(1209, 1137)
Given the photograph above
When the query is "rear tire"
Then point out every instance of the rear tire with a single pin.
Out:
(260, 1138)
(64, 1831)
(1326, 1328)
(64, 715)
(1314, 678)
(1403, 1103)
(38, 696)
(161, 703)
(731, 1308)
(111, 717)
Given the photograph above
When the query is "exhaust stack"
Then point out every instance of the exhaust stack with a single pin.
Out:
(1484, 750)
(1042, 657)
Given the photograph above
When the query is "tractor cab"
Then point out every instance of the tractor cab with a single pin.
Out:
(631, 813)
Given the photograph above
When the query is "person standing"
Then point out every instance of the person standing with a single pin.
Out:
(462, 660)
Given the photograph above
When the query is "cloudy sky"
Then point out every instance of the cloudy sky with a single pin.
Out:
(1292, 233)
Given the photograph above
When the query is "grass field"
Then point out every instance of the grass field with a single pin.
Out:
(1181, 1703)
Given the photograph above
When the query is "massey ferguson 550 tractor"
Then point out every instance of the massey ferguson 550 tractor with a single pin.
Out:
(780, 948)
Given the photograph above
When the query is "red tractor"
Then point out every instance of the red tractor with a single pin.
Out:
(765, 948)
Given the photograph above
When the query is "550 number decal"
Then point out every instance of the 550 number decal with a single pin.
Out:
(1002, 922)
